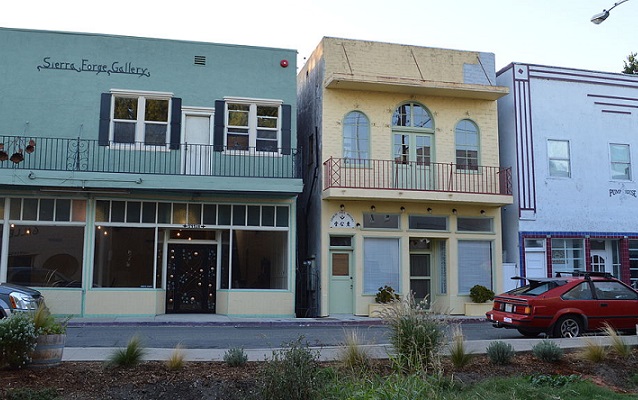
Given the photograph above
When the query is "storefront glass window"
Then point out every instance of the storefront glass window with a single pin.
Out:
(259, 260)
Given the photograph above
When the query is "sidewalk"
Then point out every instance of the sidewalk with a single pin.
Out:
(326, 353)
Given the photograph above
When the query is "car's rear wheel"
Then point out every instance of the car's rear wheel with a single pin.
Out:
(528, 333)
(568, 326)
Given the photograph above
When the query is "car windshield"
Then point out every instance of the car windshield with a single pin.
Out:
(535, 287)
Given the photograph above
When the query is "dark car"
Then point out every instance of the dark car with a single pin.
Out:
(16, 298)
(567, 305)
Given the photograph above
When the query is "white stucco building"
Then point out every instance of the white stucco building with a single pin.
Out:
(570, 136)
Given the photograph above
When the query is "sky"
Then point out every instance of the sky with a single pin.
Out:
(548, 32)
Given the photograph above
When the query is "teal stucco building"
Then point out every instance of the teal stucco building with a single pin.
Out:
(146, 176)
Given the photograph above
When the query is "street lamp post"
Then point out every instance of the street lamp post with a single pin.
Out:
(600, 17)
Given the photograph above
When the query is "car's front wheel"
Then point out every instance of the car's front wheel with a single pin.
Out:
(568, 326)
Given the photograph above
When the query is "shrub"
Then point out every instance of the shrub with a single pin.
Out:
(593, 351)
(386, 295)
(176, 360)
(354, 356)
(45, 323)
(129, 356)
(293, 373)
(500, 353)
(480, 294)
(416, 335)
(17, 340)
(235, 357)
(459, 355)
(547, 351)
(554, 380)
(617, 343)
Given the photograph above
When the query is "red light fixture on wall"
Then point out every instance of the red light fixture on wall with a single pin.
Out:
(283, 63)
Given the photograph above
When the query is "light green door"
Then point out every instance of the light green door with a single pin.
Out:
(341, 282)
(412, 161)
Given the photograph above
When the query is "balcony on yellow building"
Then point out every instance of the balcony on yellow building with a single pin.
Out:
(416, 181)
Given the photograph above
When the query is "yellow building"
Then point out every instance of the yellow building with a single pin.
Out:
(401, 172)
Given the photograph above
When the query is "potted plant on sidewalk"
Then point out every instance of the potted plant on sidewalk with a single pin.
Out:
(50, 340)
(480, 296)
(382, 300)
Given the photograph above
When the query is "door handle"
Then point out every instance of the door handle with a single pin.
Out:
(603, 304)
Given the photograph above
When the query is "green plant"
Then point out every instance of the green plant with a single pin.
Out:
(235, 357)
(459, 355)
(480, 294)
(353, 355)
(129, 356)
(617, 343)
(593, 351)
(31, 394)
(293, 373)
(554, 380)
(176, 360)
(386, 294)
(547, 351)
(500, 352)
(17, 340)
(416, 335)
(45, 323)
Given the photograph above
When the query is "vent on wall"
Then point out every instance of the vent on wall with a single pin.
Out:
(200, 60)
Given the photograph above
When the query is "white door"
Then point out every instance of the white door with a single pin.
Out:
(198, 150)
(535, 264)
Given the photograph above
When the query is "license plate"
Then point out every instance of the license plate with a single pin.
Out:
(509, 307)
(507, 319)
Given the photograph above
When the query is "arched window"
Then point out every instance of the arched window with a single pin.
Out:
(356, 137)
(412, 131)
(467, 145)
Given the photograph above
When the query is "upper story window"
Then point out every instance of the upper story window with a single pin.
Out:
(252, 125)
(467, 145)
(135, 117)
(412, 129)
(356, 136)
(620, 161)
(558, 156)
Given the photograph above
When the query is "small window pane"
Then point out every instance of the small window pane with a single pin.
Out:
(63, 210)
(224, 215)
(194, 214)
(534, 243)
(239, 215)
(123, 132)
(155, 135)
(46, 209)
(117, 211)
(148, 212)
(380, 221)
(253, 216)
(341, 241)
(30, 210)
(16, 208)
(558, 156)
(156, 110)
(133, 211)
(474, 224)
(179, 213)
(164, 213)
(340, 265)
(282, 216)
(268, 216)
(102, 208)
(210, 214)
(125, 108)
(428, 223)
(79, 210)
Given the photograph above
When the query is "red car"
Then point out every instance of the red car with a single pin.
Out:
(567, 306)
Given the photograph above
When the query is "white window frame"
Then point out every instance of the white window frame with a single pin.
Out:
(252, 122)
(140, 123)
(551, 158)
(467, 147)
(626, 163)
(356, 138)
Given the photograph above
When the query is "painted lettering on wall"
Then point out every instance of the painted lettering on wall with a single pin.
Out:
(86, 65)
(616, 192)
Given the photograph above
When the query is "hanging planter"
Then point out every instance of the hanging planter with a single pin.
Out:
(17, 157)
(3, 154)
(30, 147)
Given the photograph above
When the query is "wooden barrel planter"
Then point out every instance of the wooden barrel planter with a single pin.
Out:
(48, 351)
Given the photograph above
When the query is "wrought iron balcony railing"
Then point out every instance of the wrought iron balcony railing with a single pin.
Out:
(59, 154)
(434, 177)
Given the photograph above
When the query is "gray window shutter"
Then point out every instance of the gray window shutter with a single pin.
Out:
(105, 119)
(218, 129)
(176, 123)
(286, 139)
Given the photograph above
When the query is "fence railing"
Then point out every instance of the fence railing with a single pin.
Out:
(60, 154)
(401, 175)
